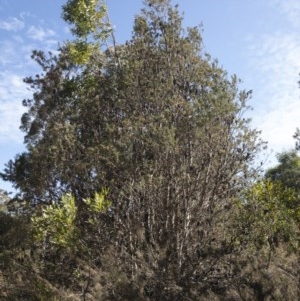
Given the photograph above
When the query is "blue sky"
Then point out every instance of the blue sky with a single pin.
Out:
(258, 40)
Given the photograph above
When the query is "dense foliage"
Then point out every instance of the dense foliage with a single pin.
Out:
(156, 127)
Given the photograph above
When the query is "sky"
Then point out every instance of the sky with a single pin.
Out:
(257, 40)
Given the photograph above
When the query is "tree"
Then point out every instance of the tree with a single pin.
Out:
(159, 123)
(287, 171)
(90, 25)
(266, 240)
(266, 211)
(4, 198)
(56, 97)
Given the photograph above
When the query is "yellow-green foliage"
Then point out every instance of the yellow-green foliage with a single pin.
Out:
(89, 25)
(99, 203)
(268, 215)
(57, 222)
(80, 51)
(86, 16)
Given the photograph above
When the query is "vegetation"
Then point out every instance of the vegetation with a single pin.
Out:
(140, 172)
(4, 199)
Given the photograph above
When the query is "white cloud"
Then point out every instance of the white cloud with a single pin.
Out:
(290, 8)
(16, 65)
(12, 91)
(15, 54)
(39, 34)
(275, 62)
(7, 49)
(12, 24)
(26, 14)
